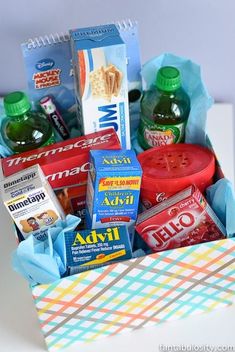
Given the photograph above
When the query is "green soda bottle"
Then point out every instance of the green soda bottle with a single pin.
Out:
(164, 111)
(24, 129)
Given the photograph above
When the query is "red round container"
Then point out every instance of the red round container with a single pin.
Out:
(170, 168)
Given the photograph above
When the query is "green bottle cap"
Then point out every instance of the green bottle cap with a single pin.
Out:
(168, 79)
(16, 103)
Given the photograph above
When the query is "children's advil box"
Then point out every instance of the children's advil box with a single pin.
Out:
(113, 189)
(100, 67)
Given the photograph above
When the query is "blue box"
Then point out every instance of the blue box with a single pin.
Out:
(89, 249)
(49, 71)
(113, 189)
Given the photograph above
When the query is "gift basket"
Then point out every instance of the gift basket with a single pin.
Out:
(122, 214)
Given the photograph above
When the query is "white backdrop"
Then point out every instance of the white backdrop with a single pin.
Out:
(203, 30)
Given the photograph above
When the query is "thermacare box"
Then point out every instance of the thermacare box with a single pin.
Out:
(65, 165)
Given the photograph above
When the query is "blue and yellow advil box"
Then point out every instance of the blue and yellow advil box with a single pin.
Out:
(113, 189)
(88, 249)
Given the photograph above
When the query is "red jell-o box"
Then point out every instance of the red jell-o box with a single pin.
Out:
(182, 220)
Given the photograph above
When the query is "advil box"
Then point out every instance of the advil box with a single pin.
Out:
(100, 68)
(113, 189)
(89, 249)
(65, 165)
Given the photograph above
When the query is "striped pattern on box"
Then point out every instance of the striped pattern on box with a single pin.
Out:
(136, 293)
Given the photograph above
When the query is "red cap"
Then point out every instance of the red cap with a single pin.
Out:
(176, 166)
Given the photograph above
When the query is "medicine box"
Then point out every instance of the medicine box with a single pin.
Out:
(113, 189)
(100, 68)
(89, 249)
(31, 202)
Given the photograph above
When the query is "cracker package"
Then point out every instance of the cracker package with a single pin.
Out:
(31, 202)
(100, 68)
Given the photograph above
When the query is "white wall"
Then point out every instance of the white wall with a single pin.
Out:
(203, 30)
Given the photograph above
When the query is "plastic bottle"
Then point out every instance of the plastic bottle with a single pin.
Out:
(24, 129)
(164, 110)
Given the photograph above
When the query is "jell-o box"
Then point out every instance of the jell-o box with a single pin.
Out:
(182, 220)
(88, 249)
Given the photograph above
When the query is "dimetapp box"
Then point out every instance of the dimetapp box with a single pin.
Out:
(65, 165)
(31, 202)
(113, 189)
(100, 69)
(88, 249)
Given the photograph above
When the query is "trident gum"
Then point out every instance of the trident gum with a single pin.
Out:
(182, 220)
(65, 165)
(31, 202)
(89, 249)
(113, 189)
(100, 68)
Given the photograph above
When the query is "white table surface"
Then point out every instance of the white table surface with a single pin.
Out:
(19, 327)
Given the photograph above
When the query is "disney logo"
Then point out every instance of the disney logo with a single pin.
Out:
(44, 64)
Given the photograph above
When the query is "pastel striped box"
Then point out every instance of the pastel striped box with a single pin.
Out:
(136, 293)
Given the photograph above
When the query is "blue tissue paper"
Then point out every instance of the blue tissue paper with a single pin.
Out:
(221, 198)
(42, 262)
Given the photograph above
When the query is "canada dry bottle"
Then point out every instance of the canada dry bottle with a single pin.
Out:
(164, 110)
(24, 129)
